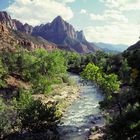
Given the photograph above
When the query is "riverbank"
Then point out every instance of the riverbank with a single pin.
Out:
(63, 94)
(82, 114)
(97, 133)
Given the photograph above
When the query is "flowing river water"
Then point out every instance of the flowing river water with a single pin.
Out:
(83, 114)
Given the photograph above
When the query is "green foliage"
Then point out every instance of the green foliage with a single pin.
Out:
(91, 72)
(3, 73)
(34, 115)
(125, 127)
(42, 85)
(40, 68)
(67, 79)
(7, 118)
(109, 83)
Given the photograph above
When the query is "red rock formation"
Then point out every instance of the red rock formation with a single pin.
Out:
(14, 24)
(8, 39)
(6, 19)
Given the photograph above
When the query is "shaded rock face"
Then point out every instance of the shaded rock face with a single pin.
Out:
(65, 36)
(135, 46)
(80, 36)
(23, 27)
(14, 24)
(6, 19)
(56, 31)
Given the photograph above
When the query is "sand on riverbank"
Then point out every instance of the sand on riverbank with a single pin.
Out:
(63, 94)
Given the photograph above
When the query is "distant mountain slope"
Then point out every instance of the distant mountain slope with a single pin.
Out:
(64, 35)
(112, 47)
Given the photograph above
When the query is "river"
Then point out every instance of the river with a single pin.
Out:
(83, 114)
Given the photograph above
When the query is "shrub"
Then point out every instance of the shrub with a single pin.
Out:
(8, 119)
(36, 116)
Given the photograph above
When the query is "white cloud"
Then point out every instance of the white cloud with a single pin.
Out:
(96, 17)
(65, 1)
(124, 5)
(39, 11)
(109, 15)
(131, 6)
(115, 33)
(83, 11)
(117, 28)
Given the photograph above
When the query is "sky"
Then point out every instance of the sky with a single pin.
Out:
(108, 21)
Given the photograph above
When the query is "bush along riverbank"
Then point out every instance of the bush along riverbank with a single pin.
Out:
(110, 86)
(34, 92)
(118, 77)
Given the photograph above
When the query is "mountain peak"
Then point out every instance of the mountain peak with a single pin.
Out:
(58, 19)
(64, 35)
(5, 18)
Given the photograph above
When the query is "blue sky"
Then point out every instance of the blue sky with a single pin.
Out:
(110, 21)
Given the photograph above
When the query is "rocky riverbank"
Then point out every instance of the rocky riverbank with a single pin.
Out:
(97, 133)
(64, 94)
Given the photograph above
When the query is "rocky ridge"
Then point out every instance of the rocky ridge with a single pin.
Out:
(14, 33)
(61, 33)
(14, 24)
(64, 35)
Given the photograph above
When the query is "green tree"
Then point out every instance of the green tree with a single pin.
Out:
(34, 115)
(3, 74)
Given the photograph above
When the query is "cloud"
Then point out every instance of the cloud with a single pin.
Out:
(113, 33)
(109, 16)
(114, 3)
(83, 11)
(96, 17)
(65, 1)
(39, 11)
(117, 27)
(124, 5)
(131, 6)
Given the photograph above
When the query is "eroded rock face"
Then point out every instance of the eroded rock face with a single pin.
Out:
(23, 27)
(14, 24)
(6, 19)
(58, 31)
(31, 45)
(65, 36)
(9, 39)
(81, 36)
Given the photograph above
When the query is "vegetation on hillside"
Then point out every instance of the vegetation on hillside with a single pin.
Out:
(38, 70)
